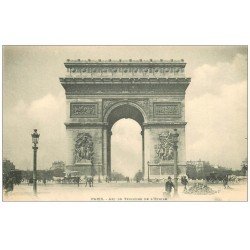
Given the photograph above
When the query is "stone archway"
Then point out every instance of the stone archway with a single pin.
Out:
(99, 93)
(119, 110)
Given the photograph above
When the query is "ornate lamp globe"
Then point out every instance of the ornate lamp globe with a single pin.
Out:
(35, 137)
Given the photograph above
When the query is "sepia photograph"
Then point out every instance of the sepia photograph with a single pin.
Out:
(124, 123)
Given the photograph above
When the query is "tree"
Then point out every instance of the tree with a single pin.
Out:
(138, 176)
(26, 174)
(191, 172)
(117, 176)
(244, 169)
(11, 176)
(8, 166)
(58, 172)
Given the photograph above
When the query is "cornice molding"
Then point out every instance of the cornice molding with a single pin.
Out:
(79, 125)
(122, 62)
(108, 80)
(125, 68)
(159, 123)
(75, 125)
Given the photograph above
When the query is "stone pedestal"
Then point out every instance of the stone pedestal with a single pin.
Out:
(158, 166)
(81, 169)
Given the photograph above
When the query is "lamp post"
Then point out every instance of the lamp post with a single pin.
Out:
(175, 141)
(35, 138)
(148, 172)
(99, 174)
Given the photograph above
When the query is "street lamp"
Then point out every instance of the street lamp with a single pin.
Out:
(175, 141)
(35, 138)
(99, 174)
(148, 171)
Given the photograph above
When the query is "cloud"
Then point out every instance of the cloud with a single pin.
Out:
(217, 125)
(47, 114)
(216, 112)
(211, 78)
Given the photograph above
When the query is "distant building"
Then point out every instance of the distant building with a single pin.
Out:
(199, 165)
(58, 165)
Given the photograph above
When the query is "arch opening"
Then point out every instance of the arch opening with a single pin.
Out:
(125, 140)
(125, 111)
(126, 148)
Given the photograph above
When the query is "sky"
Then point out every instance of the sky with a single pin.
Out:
(216, 103)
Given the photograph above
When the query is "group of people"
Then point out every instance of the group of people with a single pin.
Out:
(169, 185)
(184, 181)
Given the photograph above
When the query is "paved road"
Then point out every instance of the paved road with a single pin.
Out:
(119, 192)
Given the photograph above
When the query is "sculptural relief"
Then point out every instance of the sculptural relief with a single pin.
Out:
(78, 110)
(164, 149)
(83, 148)
(166, 109)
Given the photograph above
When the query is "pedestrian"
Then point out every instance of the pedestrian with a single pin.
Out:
(44, 181)
(78, 181)
(168, 186)
(108, 179)
(184, 182)
(137, 179)
(225, 181)
(86, 179)
(90, 181)
(30, 181)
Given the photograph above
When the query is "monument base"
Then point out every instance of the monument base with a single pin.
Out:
(80, 169)
(162, 171)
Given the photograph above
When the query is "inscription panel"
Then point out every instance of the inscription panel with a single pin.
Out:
(167, 109)
(155, 170)
(83, 110)
(167, 170)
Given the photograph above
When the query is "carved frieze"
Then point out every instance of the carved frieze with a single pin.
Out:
(106, 104)
(129, 72)
(132, 68)
(143, 103)
(167, 109)
(83, 110)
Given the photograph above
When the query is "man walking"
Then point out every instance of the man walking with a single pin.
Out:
(168, 186)
(78, 181)
(184, 182)
(225, 181)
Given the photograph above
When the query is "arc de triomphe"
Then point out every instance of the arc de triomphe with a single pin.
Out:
(99, 93)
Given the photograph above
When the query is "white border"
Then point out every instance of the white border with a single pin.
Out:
(124, 225)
